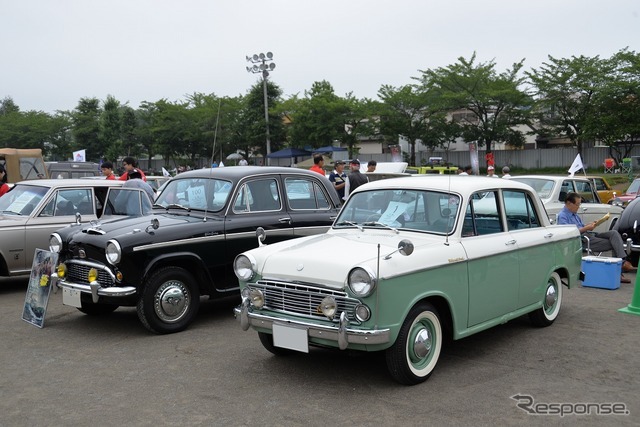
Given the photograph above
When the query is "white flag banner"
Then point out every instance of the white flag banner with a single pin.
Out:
(165, 172)
(576, 165)
(80, 156)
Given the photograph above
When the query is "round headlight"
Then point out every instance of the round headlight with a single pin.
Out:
(257, 298)
(361, 281)
(55, 243)
(113, 252)
(329, 307)
(362, 312)
(244, 267)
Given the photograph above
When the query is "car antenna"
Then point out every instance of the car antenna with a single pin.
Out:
(213, 153)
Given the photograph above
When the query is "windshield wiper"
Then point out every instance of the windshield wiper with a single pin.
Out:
(176, 206)
(351, 223)
(379, 224)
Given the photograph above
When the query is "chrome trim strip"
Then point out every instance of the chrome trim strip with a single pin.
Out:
(331, 333)
(122, 291)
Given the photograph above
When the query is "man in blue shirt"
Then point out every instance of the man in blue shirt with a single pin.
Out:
(598, 242)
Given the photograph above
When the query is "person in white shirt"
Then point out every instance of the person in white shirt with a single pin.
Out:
(491, 171)
(505, 172)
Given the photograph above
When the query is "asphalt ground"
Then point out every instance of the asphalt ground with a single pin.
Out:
(110, 371)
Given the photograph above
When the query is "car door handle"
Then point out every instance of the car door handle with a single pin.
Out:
(285, 220)
(548, 236)
(510, 242)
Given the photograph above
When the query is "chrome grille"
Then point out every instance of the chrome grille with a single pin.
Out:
(304, 300)
(78, 272)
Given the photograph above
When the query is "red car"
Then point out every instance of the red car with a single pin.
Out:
(631, 193)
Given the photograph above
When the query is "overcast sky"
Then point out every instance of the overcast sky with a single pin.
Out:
(55, 52)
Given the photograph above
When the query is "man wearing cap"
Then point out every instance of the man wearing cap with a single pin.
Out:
(338, 178)
(491, 171)
(355, 178)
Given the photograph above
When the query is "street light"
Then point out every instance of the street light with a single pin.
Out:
(260, 66)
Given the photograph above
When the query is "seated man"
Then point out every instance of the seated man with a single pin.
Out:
(598, 242)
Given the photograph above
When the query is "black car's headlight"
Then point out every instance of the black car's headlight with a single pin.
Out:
(113, 252)
(361, 281)
(55, 243)
(245, 267)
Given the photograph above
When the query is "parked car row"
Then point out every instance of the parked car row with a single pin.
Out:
(403, 266)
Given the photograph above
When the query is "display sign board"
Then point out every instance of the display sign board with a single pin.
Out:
(35, 302)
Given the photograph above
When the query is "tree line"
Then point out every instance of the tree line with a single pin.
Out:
(584, 99)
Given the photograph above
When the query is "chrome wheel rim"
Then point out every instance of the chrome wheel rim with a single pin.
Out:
(172, 301)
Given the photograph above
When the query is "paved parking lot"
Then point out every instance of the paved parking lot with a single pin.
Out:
(81, 370)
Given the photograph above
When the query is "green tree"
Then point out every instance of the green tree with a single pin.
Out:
(565, 90)
(111, 129)
(86, 128)
(615, 119)
(495, 100)
(7, 106)
(252, 118)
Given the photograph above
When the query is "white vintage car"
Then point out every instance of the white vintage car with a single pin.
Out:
(407, 264)
(553, 190)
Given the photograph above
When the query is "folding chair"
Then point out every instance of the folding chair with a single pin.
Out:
(626, 165)
(609, 165)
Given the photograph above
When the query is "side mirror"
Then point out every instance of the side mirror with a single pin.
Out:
(261, 235)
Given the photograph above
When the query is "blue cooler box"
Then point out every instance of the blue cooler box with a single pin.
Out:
(601, 272)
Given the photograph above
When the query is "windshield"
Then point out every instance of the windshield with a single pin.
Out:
(22, 200)
(404, 209)
(127, 201)
(634, 187)
(543, 187)
(195, 193)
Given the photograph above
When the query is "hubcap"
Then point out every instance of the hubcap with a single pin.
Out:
(171, 301)
(551, 297)
(422, 343)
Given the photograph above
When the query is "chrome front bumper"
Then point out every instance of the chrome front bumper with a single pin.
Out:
(342, 334)
(94, 288)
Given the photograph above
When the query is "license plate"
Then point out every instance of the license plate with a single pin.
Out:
(71, 297)
(291, 338)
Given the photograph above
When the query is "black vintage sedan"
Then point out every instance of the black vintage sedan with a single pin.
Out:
(629, 228)
(163, 263)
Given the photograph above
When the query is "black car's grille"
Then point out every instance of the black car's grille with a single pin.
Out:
(78, 271)
(304, 300)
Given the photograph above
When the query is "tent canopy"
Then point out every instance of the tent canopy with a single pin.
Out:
(288, 153)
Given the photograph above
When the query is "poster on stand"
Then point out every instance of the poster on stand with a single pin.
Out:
(35, 302)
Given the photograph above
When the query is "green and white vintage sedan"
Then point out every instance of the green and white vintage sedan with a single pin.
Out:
(408, 264)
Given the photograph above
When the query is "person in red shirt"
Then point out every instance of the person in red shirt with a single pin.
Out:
(107, 170)
(4, 187)
(318, 163)
(129, 164)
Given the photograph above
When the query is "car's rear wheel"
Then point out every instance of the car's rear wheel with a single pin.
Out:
(97, 309)
(414, 355)
(169, 301)
(545, 315)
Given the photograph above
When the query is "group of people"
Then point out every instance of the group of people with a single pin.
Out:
(491, 171)
(133, 175)
(344, 183)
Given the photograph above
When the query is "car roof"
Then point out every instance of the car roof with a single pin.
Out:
(552, 177)
(237, 172)
(72, 182)
(453, 183)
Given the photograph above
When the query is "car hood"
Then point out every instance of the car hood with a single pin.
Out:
(327, 258)
(128, 227)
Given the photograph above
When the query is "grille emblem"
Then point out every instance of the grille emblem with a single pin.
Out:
(82, 254)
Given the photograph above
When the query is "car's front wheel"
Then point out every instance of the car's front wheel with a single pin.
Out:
(545, 315)
(414, 355)
(169, 302)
